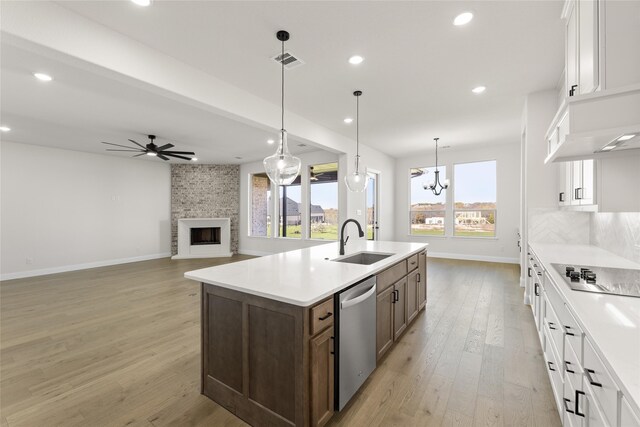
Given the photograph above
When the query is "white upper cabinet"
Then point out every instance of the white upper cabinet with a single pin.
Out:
(588, 46)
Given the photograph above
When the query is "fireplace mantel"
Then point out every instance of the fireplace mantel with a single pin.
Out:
(187, 250)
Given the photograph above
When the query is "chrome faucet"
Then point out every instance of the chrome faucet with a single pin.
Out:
(343, 241)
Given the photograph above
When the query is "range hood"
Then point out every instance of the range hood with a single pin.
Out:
(594, 125)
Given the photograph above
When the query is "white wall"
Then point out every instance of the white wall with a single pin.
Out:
(65, 210)
(348, 203)
(502, 248)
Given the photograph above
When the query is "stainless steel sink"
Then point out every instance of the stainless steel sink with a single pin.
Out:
(363, 258)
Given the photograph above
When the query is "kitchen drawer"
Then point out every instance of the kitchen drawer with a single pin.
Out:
(573, 333)
(321, 316)
(391, 275)
(412, 262)
(556, 332)
(569, 417)
(603, 387)
(554, 297)
(555, 370)
(572, 369)
(627, 417)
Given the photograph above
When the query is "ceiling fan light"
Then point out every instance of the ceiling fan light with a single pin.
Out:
(194, 159)
(151, 153)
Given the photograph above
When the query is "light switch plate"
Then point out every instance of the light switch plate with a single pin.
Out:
(359, 211)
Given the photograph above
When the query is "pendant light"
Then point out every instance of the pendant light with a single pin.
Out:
(357, 181)
(436, 186)
(281, 167)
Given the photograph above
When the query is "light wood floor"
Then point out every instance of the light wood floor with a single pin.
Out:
(120, 346)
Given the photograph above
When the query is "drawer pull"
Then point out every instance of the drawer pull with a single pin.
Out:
(552, 326)
(566, 367)
(537, 289)
(529, 272)
(578, 394)
(566, 408)
(588, 373)
(567, 331)
(412, 263)
(418, 278)
(551, 366)
(326, 316)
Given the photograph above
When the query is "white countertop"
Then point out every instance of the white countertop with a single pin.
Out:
(612, 322)
(304, 276)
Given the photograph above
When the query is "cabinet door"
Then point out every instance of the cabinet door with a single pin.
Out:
(571, 50)
(384, 321)
(412, 295)
(588, 45)
(587, 192)
(322, 365)
(563, 195)
(422, 280)
(400, 308)
(576, 181)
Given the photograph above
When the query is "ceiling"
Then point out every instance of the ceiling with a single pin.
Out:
(417, 75)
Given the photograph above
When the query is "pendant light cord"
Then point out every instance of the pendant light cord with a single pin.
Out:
(282, 100)
(436, 139)
(357, 126)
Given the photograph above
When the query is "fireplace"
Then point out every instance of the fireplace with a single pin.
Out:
(205, 236)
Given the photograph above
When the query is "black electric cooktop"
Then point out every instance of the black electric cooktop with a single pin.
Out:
(603, 280)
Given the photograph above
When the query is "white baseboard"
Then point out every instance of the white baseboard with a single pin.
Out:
(64, 268)
(253, 253)
(505, 260)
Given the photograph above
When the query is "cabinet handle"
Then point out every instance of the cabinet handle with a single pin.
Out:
(588, 373)
(552, 326)
(412, 263)
(572, 91)
(566, 367)
(571, 334)
(561, 197)
(418, 278)
(578, 394)
(566, 408)
(536, 290)
(333, 341)
(550, 364)
(529, 272)
(326, 316)
(578, 193)
(395, 296)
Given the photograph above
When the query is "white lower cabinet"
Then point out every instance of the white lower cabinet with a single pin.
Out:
(586, 393)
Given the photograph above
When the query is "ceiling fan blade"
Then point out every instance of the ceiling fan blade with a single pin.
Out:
(132, 150)
(177, 156)
(165, 147)
(190, 153)
(139, 145)
(141, 154)
(118, 145)
(162, 157)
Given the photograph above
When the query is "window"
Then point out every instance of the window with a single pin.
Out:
(260, 221)
(289, 208)
(323, 201)
(427, 214)
(475, 199)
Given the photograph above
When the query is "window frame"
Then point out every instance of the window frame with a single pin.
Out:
(308, 180)
(446, 204)
(453, 203)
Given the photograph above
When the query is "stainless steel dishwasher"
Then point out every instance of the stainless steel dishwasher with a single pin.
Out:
(356, 349)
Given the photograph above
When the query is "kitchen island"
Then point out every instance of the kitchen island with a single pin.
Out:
(268, 325)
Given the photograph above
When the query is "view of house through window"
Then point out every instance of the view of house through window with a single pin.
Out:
(323, 197)
(475, 199)
(289, 207)
(260, 224)
(427, 211)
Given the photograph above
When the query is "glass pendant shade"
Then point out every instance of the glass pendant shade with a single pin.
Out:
(282, 167)
(357, 181)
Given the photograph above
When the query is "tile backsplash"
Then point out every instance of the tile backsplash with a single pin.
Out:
(618, 233)
(555, 226)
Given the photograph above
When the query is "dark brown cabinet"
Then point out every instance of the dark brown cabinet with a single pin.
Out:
(400, 308)
(400, 301)
(322, 367)
(384, 321)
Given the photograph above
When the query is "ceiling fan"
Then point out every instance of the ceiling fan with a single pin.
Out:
(151, 149)
(313, 176)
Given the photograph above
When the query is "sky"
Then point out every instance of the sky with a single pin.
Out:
(324, 194)
(474, 182)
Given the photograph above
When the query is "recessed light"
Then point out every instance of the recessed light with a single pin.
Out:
(348, 120)
(270, 141)
(463, 19)
(43, 77)
(626, 137)
(194, 159)
(5, 128)
(151, 153)
(478, 89)
(356, 59)
(142, 2)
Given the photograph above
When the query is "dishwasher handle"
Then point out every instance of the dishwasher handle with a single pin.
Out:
(353, 301)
